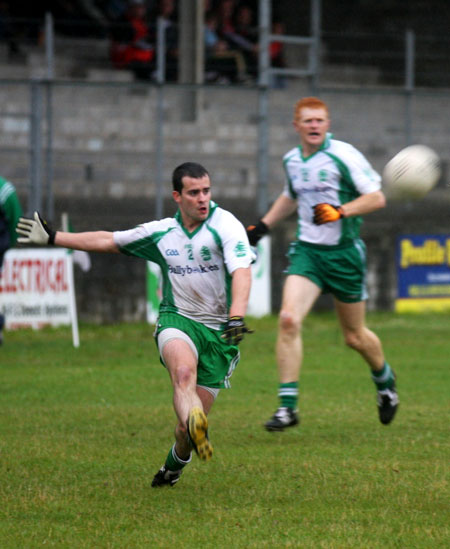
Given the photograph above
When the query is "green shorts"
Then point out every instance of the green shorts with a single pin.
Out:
(216, 358)
(339, 270)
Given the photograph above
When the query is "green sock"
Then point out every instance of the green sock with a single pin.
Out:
(288, 393)
(384, 378)
(175, 463)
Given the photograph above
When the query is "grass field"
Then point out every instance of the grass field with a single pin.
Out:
(84, 430)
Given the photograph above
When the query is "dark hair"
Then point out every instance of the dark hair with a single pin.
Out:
(189, 169)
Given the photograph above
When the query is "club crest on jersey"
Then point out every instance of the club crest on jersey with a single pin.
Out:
(240, 249)
(323, 175)
(305, 174)
(205, 252)
(172, 251)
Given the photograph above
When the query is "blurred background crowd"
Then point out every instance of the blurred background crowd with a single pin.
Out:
(231, 34)
(353, 32)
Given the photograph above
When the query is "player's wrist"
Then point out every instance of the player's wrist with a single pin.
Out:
(256, 232)
(48, 229)
(263, 227)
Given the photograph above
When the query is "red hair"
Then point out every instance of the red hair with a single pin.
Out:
(309, 103)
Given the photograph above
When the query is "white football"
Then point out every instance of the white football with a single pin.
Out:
(412, 173)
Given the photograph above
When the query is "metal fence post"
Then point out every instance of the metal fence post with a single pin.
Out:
(50, 56)
(410, 45)
(35, 196)
(159, 148)
(316, 15)
(263, 106)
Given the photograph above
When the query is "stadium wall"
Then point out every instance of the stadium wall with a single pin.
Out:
(103, 166)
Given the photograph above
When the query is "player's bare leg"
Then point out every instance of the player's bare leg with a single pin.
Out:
(299, 295)
(181, 363)
(198, 429)
(185, 403)
(359, 337)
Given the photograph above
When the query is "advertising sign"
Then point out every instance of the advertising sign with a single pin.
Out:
(423, 273)
(260, 302)
(37, 289)
(154, 291)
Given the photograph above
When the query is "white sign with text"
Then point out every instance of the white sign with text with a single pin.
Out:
(37, 289)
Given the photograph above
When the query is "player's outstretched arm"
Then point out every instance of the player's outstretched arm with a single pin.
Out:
(38, 232)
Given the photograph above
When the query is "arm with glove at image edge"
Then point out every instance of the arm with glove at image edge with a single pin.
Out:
(37, 231)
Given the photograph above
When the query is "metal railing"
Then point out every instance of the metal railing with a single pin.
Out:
(42, 101)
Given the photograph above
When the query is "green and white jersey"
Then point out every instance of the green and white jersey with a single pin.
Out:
(196, 267)
(337, 173)
(10, 211)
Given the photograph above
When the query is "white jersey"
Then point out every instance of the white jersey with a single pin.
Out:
(196, 267)
(337, 173)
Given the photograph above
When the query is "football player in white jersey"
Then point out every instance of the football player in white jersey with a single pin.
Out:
(205, 259)
(331, 185)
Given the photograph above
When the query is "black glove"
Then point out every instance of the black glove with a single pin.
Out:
(235, 329)
(326, 213)
(35, 231)
(256, 232)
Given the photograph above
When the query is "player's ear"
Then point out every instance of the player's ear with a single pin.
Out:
(176, 196)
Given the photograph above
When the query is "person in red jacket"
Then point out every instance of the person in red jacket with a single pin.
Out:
(130, 46)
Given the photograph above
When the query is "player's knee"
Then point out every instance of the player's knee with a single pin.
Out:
(289, 324)
(354, 340)
(184, 376)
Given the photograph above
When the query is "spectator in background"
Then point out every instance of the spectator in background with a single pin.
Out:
(277, 56)
(225, 12)
(244, 35)
(10, 211)
(130, 42)
(166, 11)
(222, 64)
